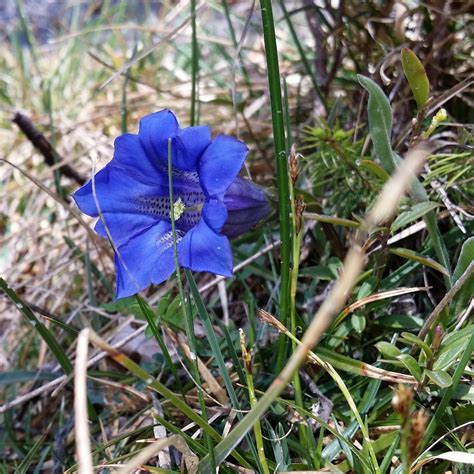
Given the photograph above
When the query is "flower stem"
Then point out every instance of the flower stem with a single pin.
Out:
(304, 433)
(188, 317)
(257, 429)
(303, 56)
(274, 85)
(194, 64)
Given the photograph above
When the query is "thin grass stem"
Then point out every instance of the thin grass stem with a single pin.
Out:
(273, 73)
(194, 65)
(383, 209)
(297, 234)
(188, 317)
(257, 428)
(303, 56)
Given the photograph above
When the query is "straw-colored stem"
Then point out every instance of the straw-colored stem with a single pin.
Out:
(383, 209)
(188, 318)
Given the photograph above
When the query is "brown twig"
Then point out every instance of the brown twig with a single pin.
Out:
(41, 143)
(433, 317)
(321, 59)
(337, 55)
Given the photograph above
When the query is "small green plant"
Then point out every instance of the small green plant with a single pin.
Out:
(337, 338)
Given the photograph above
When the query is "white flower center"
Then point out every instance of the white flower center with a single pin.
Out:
(178, 209)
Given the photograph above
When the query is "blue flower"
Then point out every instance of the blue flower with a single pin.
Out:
(246, 206)
(132, 195)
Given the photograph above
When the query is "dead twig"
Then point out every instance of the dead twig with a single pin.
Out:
(433, 317)
(41, 143)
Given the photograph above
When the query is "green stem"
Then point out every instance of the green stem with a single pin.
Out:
(303, 431)
(273, 72)
(404, 444)
(194, 64)
(150, 318)
(257, 429)
(123, 106)
(236, 45)
(50, 340)
(449, 392)
(188, 318)
(302, 53)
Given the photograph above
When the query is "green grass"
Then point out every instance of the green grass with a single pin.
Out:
(382, 385)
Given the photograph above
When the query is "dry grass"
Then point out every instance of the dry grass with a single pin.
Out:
(71, 88)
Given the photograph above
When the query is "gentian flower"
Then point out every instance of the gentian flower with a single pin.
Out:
(131, 194)
(246, 206)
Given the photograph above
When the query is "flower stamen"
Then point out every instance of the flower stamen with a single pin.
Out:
(178, 209)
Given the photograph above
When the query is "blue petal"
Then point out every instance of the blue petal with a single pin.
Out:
(214, 213)
(130, 156)
(154, 132)
(246, 206)
(144, 259)
(117, 190)
(202, 250)
(123, 227)
(187, 145)
(221, 163)
(191, 143)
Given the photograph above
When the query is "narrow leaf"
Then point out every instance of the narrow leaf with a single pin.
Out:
(465, 293)
(413, 214)
(416, 76)
(452, 348)
(42, 330)
(375, 169)
(387, 349)
(411, 364)
(380, 122)
(440, 378)
(416, 257)
(412, 339)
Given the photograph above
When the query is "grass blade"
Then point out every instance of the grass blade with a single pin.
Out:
(158, 387)
(380, 125)
(273, 72)
(43, 331)
(216, 351)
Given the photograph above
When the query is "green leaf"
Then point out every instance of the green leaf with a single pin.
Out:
(43, 331)
(416, 257)
(464, 295)
(124, 305)
(457, 337)
(318, 271)
(465, 392)
(388, 350)
(449, 392)
(380, 122)
(416, 76)
(358, 322)
(29, 459)
(412, 339)
(465, 258)
(411, 364)
(380, 125)
(375, 169)
(450, 355)
(413, 214)
(21, 376)
(440, 378)
(452, 347)
(463, 413)
(167, 309)
(399, 321)
(367, 288)
(154, 384)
